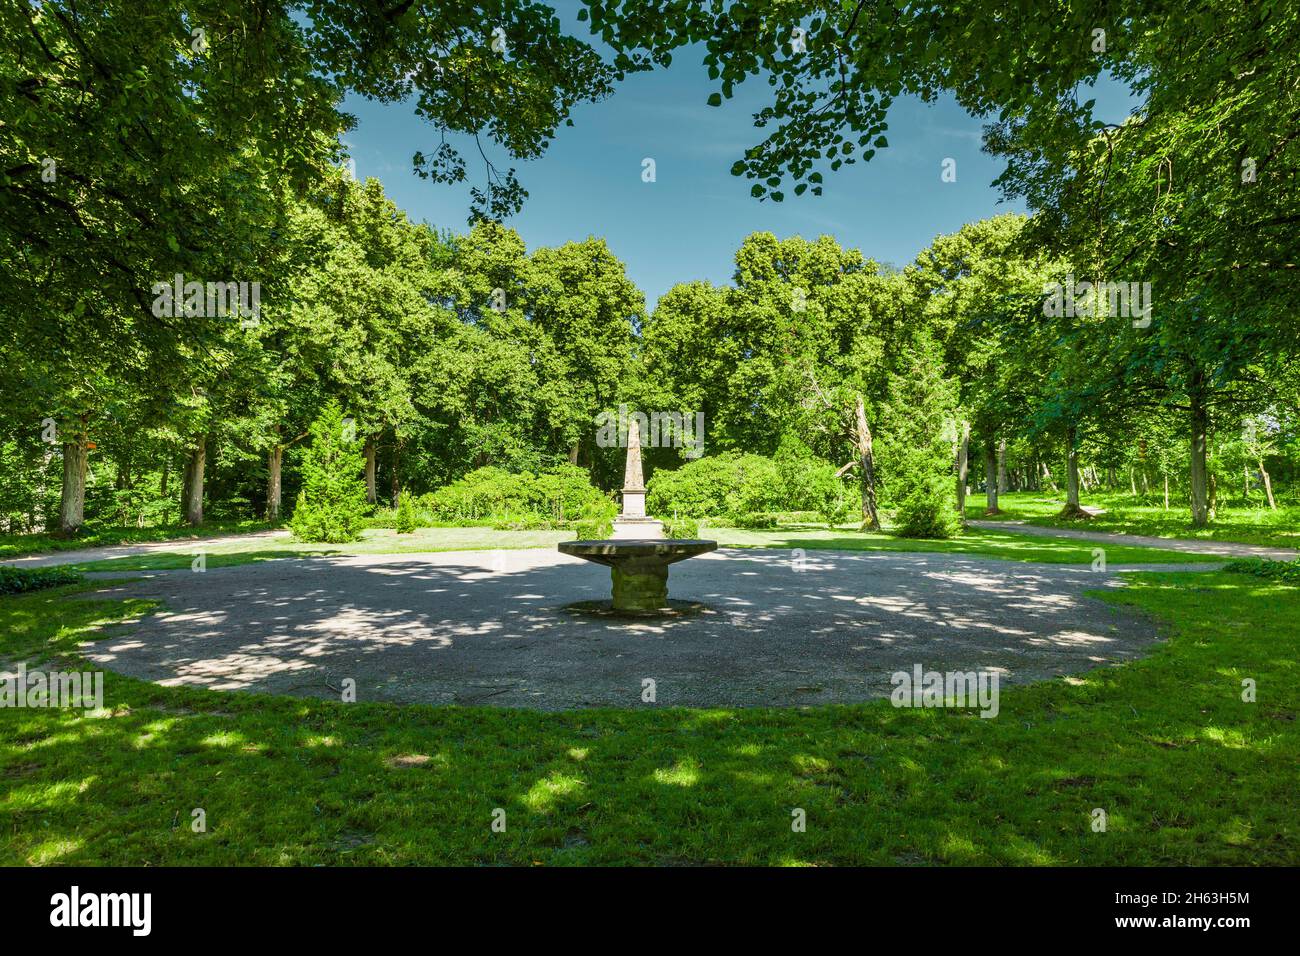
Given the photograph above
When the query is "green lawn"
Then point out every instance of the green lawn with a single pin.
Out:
(995, 544)
(974, 541)
(1187, 772)
(1256, 525)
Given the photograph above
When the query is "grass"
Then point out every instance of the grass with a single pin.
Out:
(1187, 772)
(93, 536)
(997, 544)
(1125, 515)
(974, 541)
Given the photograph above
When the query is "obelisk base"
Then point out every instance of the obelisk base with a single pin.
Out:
(644, 529)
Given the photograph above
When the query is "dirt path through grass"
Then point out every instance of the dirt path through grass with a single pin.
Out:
(107, 552)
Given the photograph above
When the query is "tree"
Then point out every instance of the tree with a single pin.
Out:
(921, 426)
(1258, 442)
(333, 498)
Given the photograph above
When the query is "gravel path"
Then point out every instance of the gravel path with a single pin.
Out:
(489, 627)
(148, 547)
(1226, 549)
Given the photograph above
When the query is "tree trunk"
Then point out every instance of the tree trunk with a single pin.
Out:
(274, 467)
(1268, 485)
(194, 469)
(1051, 482)
(963, 468)
(1199, 478)
(573, 453)
(1002, 466)
(1072, 510)
(372, 491)
(1071, 471)
(994, 476)
(866, 467)
(396, 485)
(1166, 491)
(72, 509)
(1132, 483)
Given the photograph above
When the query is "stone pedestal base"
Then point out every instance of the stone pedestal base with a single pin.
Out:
(639, 586)
(638, 569)
(644, 529)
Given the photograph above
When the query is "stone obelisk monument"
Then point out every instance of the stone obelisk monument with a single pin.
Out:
(639, 556)
(632, 522)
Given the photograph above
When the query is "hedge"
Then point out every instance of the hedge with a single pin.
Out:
(21, 580)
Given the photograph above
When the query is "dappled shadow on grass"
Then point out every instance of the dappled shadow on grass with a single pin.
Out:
(1122, 515)
(981, 542)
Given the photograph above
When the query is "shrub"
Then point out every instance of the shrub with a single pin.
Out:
(736, 484)
(926, 510)
(758, 486)
(698, 489)
(405, 521)
(681, 528)
(1288, 571)
(811, 485)
(593, 529)
(22, 580)
(526, 523)
(756, 521)
(332, 504)
(559, 494)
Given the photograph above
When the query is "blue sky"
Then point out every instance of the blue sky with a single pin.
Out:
(688, 223)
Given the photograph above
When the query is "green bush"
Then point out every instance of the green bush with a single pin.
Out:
(926, 510)
(498, 496)
(681, 528)
(1288, 571)
(812, 485)
(405, 521)
(528, 523)
(332, 505)
(22, 580)
(737, 484)
(756, 521)
(593, 529)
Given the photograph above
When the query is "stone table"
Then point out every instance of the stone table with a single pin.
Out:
(639, 569)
